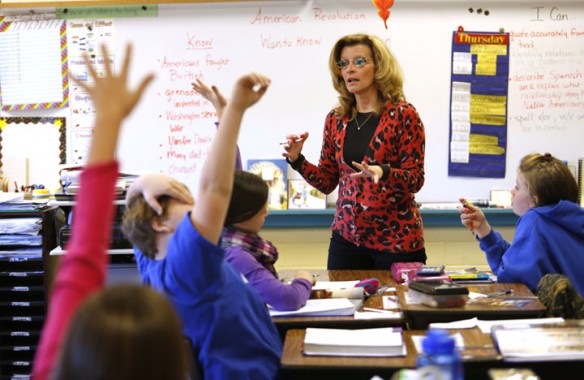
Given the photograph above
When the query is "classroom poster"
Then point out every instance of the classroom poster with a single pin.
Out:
(303, 196)
(32, 149)
(28, 82)
(478, 104)
(85, 36)
(275, 173)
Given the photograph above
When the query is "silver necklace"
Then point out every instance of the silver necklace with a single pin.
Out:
(364, 122)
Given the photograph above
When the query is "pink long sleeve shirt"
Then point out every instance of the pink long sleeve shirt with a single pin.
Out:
(83, 269)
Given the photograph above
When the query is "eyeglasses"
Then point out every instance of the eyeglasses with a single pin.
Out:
(357, 62)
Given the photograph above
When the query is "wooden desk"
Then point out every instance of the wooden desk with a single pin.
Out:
(478, 356)
(421, 315)
(284, 324)
(384, 276)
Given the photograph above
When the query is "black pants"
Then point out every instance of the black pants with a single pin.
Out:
(345, 255)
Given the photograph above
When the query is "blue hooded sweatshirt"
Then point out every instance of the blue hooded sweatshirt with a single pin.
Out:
(548, 239)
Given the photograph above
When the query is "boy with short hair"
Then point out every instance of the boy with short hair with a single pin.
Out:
(229, 326)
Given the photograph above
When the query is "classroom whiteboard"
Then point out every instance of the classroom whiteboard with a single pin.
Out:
(290, 41)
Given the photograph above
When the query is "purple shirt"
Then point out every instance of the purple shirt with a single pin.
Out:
(270, 289)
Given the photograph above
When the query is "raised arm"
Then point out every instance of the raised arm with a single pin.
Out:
(216, 98)
(216, 182)
(82, 270)
(213, 95)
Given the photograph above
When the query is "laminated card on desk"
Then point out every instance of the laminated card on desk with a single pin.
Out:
(320, 307)
(336, 289)
(386, 341)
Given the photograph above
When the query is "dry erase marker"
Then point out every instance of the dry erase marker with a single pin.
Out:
(286, 142)
(470, 225)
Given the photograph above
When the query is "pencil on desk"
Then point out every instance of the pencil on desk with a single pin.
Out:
(500, 293)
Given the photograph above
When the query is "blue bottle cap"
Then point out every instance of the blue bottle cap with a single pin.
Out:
(438, 342)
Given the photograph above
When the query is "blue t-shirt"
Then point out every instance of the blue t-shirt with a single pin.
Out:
(229, 326)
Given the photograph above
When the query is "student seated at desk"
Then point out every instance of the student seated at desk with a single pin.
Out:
(177, 250)
(247, 252)
(123, 332)
(253, 256)
(549, 236)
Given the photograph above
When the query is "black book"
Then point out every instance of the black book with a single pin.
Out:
(438, 288)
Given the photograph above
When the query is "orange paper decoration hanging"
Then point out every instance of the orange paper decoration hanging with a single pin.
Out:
(383, 6)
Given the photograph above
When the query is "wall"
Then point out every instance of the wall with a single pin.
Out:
(290, 41)
(307, 248)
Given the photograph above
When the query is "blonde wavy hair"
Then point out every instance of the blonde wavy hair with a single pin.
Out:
(388, 74)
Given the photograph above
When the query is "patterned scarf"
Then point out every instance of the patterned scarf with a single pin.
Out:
(263, 250)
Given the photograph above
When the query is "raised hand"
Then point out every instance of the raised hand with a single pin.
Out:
(113, 101)
(248, 90)
(110, 94)
(213, 95)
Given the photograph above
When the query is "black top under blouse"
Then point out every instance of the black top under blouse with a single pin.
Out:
(360, 132)
(357, 140)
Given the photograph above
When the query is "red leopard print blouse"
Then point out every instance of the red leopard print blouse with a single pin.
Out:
(382, 216)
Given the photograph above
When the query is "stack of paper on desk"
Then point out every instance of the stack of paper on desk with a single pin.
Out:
(562, 341)
(320, 307)
(386, 341)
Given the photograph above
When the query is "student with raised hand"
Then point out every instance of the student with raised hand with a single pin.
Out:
(122, 332)
(178, 253)
(253, 256)
(373, 150)
(549, 237)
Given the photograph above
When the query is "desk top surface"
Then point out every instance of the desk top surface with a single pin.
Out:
(520, 300)
(384, 277)
(479, 355)
(521, 303)
(478, 346)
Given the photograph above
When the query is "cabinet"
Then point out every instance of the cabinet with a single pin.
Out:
(24, 277)
(122, 267)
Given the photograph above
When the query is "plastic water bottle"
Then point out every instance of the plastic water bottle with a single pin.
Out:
(439, 359)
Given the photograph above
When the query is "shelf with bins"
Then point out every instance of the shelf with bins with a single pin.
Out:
(24, 278)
